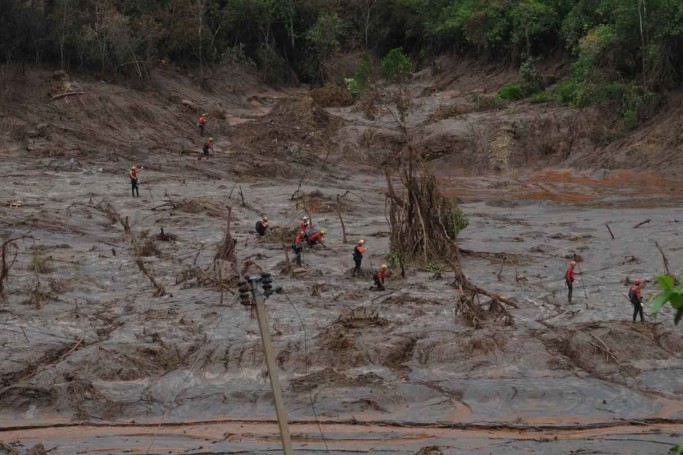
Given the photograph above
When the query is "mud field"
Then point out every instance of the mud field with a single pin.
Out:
(95, 359)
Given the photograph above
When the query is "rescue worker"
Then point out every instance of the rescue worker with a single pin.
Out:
(297, 248)
(304, 226)
(358, 257)
(316, 237)
(134, 180)
(378, 277)
(201, 123)
(208, 145)
(569, 279)
(262, 226)
(634, 295)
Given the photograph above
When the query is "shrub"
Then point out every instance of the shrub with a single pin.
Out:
(40, 264)
(512, 92)
(460, 221)
(541, 97)
(396, 65)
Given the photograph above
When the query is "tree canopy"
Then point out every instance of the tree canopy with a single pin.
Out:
(638, 40)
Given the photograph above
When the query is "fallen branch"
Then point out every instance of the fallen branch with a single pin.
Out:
(664, 259)
(6, 265)
(610, 231)
(78, 343)
(341, 220)
(641, 223)
(501, 268)
(62, 95)
(605, 349)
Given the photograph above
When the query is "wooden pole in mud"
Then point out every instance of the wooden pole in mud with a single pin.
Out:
(280, 409)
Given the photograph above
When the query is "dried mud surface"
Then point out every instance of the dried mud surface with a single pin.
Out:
(91, 361)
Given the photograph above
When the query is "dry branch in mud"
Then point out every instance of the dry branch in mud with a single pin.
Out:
(114, 215)
(423, 221)
(424, 224)
(7, 263)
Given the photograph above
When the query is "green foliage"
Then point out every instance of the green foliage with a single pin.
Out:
(460, 222)
(678, 450)
(541, 97)
(612, 40)
(357, 84)
(671, 293)
(353, 87)
(512, 92)
(435, 267)
(40, 264)
(531, 80)
(395, 259)
(396, 65)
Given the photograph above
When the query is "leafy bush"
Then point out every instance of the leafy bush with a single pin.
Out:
(460, 221)
(396, 66)
(541, 97)
(512, 92)
(353, 86)
(41, 264)
(434, 267)
(531, 80)
(672, 293)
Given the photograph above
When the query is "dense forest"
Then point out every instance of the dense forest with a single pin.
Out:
(620, 49)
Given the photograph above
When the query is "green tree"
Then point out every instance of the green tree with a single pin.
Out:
(325, 39)
(530, 18)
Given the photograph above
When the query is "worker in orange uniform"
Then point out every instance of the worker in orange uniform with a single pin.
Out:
(636, 298)
(358, 256)
(569, 279)
(378, 277)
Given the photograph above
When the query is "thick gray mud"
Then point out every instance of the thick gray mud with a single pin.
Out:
(100, 348)
(92, 362)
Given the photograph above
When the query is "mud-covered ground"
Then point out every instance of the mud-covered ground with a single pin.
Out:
(92, 362)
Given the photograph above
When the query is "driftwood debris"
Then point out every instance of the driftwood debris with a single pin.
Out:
(610, 231)
(64, 95)
(641, 223)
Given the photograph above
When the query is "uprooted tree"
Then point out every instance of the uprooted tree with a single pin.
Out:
(425, 224)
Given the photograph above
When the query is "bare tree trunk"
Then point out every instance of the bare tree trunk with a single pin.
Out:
(341, 220)
(201, 18)
(62, 37)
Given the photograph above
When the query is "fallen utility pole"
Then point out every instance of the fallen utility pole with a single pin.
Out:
(259, 299)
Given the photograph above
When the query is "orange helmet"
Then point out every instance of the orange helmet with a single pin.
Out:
(637, 281)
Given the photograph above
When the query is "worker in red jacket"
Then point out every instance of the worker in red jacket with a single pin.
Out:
(134, 180)
(636, 298)
(569, 279)
(262, 226)
(316, 237)
(297, 248)
(201, 123)
(304, 227)
(208, 145)
(378, 277)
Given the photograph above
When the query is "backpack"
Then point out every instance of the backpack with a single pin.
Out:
(633, 297)
(356, 253)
